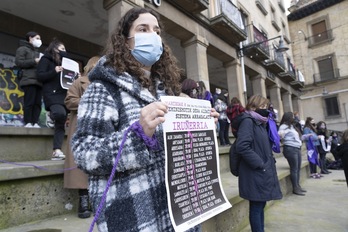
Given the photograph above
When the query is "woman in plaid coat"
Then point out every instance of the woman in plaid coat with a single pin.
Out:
(125, 88)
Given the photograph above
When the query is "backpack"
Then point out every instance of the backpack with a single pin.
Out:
(236, 158)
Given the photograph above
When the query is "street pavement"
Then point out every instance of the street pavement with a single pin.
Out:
(323, 209)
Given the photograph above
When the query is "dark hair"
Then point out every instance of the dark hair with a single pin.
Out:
(201, 90)
(235, 100)
(52, 50)
(30, 34)
(256, 101)
(287, 119)
(119, 56)
(188, 85)
(309, 125)
(322, 131)
(345, 137)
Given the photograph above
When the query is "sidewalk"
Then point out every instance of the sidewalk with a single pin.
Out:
(323, 209)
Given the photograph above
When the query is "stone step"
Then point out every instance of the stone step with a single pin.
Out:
(20, 144)
(33, 191)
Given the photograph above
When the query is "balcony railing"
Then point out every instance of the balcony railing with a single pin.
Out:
(330, 75)
(289, 75)
(276, 62)
(259, 52)
(320, 38)
(228, 22)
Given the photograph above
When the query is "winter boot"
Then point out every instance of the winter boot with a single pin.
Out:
(297, 191)
(84, 211)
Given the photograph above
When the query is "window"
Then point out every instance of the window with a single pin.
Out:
(331, 106)
(326, 70)
(319, 32)
(274, 19)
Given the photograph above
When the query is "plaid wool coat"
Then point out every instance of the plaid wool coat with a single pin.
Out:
(136, 200)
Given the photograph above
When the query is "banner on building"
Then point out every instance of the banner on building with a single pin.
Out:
(193, 182)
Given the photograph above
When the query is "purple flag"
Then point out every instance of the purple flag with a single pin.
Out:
(312, 153)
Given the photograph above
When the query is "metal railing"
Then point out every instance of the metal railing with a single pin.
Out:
(329, 75)
(319, 38)
(231, 12)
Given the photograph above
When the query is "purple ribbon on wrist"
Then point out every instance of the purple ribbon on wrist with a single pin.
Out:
(150, 142)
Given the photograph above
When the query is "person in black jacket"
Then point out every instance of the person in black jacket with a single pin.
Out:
(27, 58)
(342, 153)
(258, 179)
(323, 147)
(48, 72)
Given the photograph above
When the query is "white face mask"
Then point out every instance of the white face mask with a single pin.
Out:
(37, 43)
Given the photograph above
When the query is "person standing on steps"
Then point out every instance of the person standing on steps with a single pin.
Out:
(220, 106)
(27, 58)
(310, 132)
(292, 143)
(48, 72)
(323, 147)
(76, 178)
(258, 179)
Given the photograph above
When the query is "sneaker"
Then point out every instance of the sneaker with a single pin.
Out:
(36, 126)
(58, 155)
(49, 121)
(28, 125)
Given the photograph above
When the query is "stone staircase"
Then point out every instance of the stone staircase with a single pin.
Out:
(30, 194)
(31, 185)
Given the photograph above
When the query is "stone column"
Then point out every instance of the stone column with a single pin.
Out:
(235, 80)
(259, 85)
(117, 8)
(287, 102)
(196, 59)
(275, 98)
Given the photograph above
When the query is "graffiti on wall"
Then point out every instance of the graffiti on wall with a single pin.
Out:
(11, 98)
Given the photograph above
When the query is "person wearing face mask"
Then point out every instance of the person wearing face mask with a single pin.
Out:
(220, 106)
(310, 132)
(323, 147)
(27, 58)
(258, 179)
(48, 72)
(126, 85)
(292, 142)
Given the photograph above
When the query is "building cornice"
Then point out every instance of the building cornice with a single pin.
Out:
(311, 8)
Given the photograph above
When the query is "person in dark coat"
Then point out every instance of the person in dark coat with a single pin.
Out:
(258, 179)
(48, 72)
(342, 152)
(27, 58)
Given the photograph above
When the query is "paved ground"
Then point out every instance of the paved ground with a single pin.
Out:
(323, 209)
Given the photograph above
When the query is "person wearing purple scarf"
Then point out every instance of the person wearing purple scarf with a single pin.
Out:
(258, 179)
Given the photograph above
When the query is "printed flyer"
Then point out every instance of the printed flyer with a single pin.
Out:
(70, 72)
(193, 180)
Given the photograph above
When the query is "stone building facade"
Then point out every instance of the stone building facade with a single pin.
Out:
(231, 44)
(319, 32)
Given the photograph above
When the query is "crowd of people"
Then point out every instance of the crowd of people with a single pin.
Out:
(122, 88)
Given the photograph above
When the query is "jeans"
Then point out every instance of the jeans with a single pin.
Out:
(257, 216)
(293, 156)
(59, 115)
(223, 133)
